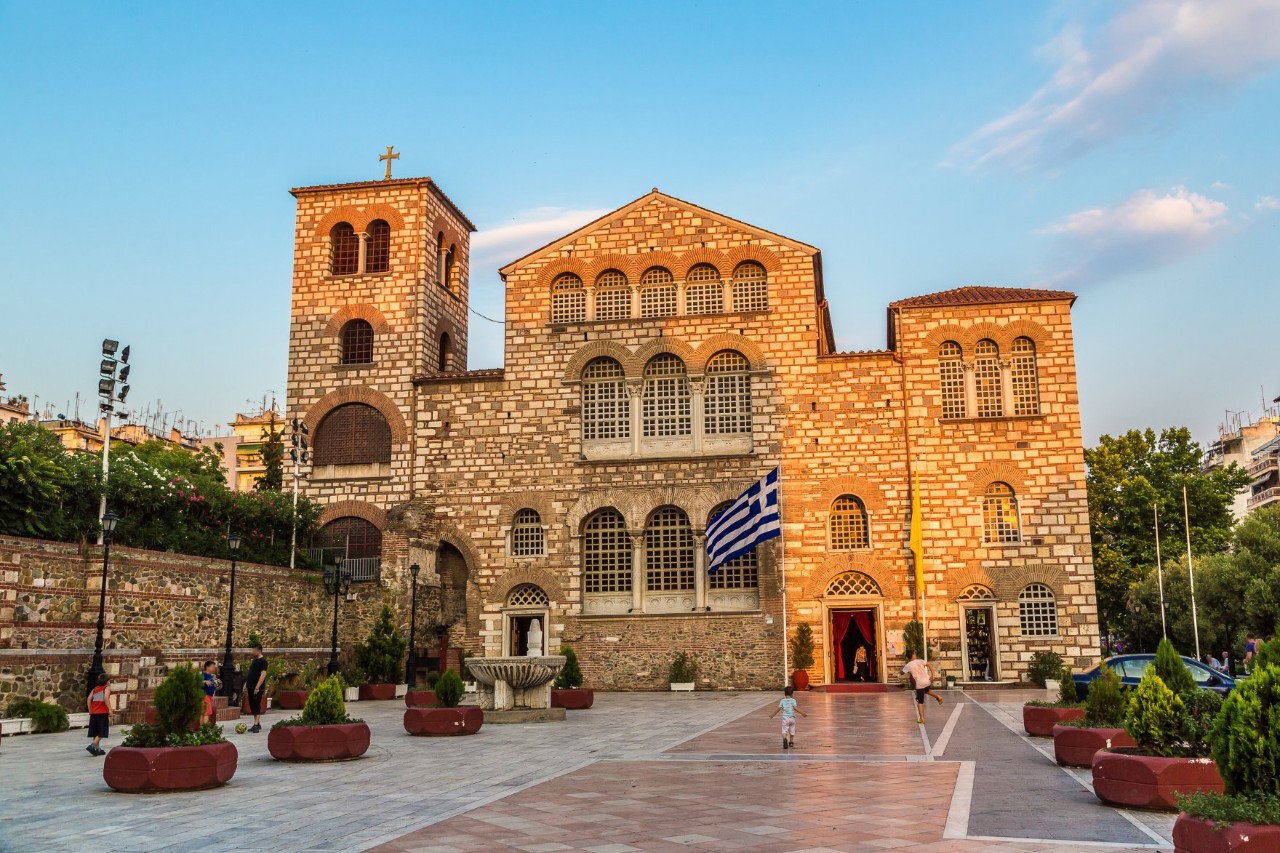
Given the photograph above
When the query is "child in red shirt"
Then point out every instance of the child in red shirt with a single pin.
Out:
(99, 707)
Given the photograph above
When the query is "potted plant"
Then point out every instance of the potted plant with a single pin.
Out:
(567, 690)
(801, 656)
(381, 656)
(353, 678)
(446, 718)
(1039, 717)
(1076, 741)
(1045, 667)
(1246, 741)
(683, 672)
(168, 756)
(39, 716)
(323, 732)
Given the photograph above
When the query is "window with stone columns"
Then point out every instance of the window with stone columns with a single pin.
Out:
(1037, 611)
(742, 572)
(354, 434)
(527, 536)
(612, 296)
(847, 524)
(1000, 515)
(703, 291)
(568, 299)
(605, 402)
(606, 553)
(357, 342)
(750, 288)
(669, 551)
(1023, 379)
(988, 384)
(657, 293)
(344, 250)
(727, 394)
(378, 247)
(666, 408)
(951, 375)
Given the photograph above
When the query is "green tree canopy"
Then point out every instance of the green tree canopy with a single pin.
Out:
(272, 458)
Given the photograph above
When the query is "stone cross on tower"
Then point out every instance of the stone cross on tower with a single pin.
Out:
(388, 157)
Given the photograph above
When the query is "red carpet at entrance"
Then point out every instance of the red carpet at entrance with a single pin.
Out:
(853, 688)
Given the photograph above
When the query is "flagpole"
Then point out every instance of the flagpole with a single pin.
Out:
(1191, 573)
(1164, 631)
(782, 541)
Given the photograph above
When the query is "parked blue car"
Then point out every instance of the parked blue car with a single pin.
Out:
(1131, 667)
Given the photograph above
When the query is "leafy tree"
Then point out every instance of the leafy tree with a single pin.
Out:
(42, 490)
(382, 654)
(272, 479)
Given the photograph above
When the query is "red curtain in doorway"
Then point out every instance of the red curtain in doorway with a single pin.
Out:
(863, 619)
(839, 627)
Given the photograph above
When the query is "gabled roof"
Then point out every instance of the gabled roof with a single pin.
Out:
(365, 185)
(640, 202)
(982, 296)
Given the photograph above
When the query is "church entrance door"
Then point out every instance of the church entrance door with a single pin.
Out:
(855, 650)
(979, 649)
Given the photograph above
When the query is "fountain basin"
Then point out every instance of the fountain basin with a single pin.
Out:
(509, 683)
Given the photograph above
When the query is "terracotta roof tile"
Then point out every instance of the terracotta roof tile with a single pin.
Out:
(982, 296)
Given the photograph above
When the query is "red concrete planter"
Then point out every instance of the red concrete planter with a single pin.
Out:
(135, 770)
(377, 691)
(1074, 746)
(443, 721)
(1197, 835)
(1039, 720)
(420, 699)
(292, 700)
(573, 698)
(318, 743)
(1123, 777)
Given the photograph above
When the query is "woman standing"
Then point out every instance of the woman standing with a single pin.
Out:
(861, 670)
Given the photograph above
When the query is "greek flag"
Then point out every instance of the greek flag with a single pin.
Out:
(751, 519)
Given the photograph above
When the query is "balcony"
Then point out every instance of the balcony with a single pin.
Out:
(361, 569)
(1264, 468)
(1264, 497)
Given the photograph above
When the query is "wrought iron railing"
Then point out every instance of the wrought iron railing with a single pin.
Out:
(361, 569)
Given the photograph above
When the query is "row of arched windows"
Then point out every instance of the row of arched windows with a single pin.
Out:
(351, 253)
(612, 296)
(988, 386)
(849, 525)
(356, 337)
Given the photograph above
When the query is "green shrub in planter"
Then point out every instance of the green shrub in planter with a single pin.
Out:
(179, 700)
(354, 676)
(325, 706)
(1261, 809)
(44, 716)
(684, 669)
(432, 678)
(801, 648)
(1154, 718)
(1067, 694)
(570, 674)
(1044, 665)
(1246, 735)
(1171, 669)
(1105, 706)
(448, 690)
(1200, 708)
(381, 656)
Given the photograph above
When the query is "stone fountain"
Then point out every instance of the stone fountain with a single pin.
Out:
(518, 689)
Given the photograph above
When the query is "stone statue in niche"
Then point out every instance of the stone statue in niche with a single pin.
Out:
(534, 639)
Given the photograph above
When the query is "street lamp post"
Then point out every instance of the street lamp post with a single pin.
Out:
(299, 454)
(338, 583)
(230, 677)
(109, 520)
(411, 665)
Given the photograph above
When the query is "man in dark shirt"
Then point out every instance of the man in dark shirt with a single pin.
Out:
(255, 686)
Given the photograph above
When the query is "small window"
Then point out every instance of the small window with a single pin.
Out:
(987, 381)
(440, 252)
(951, 375)
(606, 553)
(568, 299)
(377, 254)
(1000, 514)
(527, 537)
(344, 250)
(669, 551)
(605, 410)
(657, 294)
(847, 524)
(450, 258)
(750, 288)
(445, 353)
(666, 407)
(1023, 378)
(357, 342)
(703, 291)
(1038, 611)
(613, 296)
(727, 395)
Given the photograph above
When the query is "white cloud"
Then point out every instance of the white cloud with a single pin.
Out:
(1267, 202)
(529, 230)
(1219, 185)
(1146, 230)
(1137, 69)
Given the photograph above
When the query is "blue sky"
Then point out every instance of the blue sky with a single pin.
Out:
(1125, 151)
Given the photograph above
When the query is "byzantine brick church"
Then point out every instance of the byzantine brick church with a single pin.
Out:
(657, 362)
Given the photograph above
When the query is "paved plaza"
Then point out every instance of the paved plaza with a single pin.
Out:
(639, 771)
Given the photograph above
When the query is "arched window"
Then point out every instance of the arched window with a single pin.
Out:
(665, 409)
(352, 537)
(568, 299)
(527, 595)
(605, 412)
(1037, 611)
(357, 342)
(853, 583)
(742, 572)
(703, 291)
(354, 434)
(344, 250)
(613, 296)
(449, 279)
(987, 382)
(1000, 514)
(750, 288)
(847, 524)
(377, 253)
(951, 375)
(440, 251)
(527, 537)
(606, 553)
(976, 592)
(657, 293)
(727, 395)
(668, 549)
(444, 355)
(1023, 377)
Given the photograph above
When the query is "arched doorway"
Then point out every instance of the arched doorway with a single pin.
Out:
(525, 603)
(977, 605)
(853, 619)
(452, 612)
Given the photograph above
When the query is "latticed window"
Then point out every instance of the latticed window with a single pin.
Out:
(1038, 611)
(987, 382)
(353, 538)
(344, 250)
(742, 572)
(951, 374)
(853, 583)
(703, 291)
(377, 252)
(999, 514)
(657, 293)
(527, 537)
(613, 296)
(666, 408)
(1026, 384)
(606, 553)
(727, 395)
(668, 547)
(848, 524)
(750, 288)
(357, 342)
(527, 595)
(354, 434)
(976, 592)
(568, 299)
(605, 412)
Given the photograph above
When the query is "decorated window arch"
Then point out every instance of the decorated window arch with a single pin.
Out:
(853, 583)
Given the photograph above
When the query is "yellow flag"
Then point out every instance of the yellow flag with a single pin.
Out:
(917, 536)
